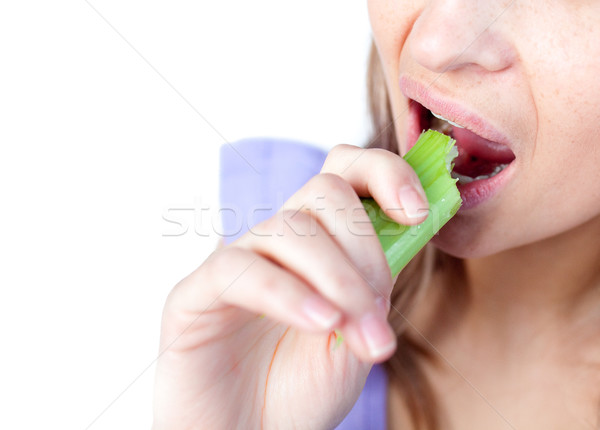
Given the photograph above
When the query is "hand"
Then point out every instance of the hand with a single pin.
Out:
(247, 339)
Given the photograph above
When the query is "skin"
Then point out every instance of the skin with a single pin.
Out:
(521, 77)
(223, 366)
(532, 251)
(523, 352)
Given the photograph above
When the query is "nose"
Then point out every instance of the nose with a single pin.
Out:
(451, 34)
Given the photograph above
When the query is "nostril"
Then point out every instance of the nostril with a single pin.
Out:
(445, 37)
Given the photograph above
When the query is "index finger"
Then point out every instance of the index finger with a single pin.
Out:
(383, 175)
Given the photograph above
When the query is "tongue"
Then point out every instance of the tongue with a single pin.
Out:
(478, 156)
(479, 147)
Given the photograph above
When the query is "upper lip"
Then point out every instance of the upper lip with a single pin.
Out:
(452, 111)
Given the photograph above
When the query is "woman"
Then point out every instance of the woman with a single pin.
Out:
(497, 324)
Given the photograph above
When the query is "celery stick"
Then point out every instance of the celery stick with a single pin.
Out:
(431, 158)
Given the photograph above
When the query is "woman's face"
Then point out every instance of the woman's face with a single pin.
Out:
(523, 78)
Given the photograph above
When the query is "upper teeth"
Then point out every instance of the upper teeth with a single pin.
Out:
(447, 120)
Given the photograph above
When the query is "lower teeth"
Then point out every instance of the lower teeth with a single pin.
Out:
(444, 127)
(463, 179)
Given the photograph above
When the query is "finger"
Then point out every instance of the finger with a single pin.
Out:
(335, 205)
(368, 339)
(298, 243)
(243, 279)
(385, 176)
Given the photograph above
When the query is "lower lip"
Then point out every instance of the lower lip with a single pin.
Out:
(474, 193)
(477, 192)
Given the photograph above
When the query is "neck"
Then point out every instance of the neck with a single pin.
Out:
(552, 280)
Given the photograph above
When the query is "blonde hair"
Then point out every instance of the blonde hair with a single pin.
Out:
(404, 367)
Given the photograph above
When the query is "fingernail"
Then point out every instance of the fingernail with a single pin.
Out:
(413, 202)
(378, 335)
(320, 312)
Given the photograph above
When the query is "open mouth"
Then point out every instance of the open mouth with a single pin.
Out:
(486, 163)
(478, 158)
(483, 166)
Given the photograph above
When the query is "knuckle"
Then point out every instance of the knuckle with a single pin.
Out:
(287, 223)
(295, 217)
(275, 226)
(337, 151)
(351, 289)
(270, 285)
(297, 223)
(343, 280)
(380, 152)
(336, 156)
(377, 270)
(262, 229)
(331, 183)
(221, 262)
(329, 191)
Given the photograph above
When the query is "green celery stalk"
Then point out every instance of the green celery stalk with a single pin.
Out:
(431, 158)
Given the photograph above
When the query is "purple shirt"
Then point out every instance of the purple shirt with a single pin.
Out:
(257, 177)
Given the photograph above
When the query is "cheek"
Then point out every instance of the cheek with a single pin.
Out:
(391, 22)
(556, 191)
(557, 188)
(390, 25)
(565, 159)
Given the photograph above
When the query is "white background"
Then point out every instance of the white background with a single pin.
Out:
(95, 146)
